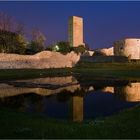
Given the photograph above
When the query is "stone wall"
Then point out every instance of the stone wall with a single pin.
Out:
(42, 60)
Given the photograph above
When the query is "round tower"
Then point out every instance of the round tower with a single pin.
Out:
(128, 47)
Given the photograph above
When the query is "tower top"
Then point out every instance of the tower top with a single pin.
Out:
(76, 17)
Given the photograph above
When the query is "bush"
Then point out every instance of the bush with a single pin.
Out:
(11, 42)
(80, 49)
(64, 48)
(34, 47)
(61, 46)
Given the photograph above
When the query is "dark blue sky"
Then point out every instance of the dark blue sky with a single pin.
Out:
(104, 22)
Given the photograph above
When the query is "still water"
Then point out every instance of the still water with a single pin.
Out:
(69, 98)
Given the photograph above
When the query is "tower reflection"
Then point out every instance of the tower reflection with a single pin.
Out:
(32, 95)
(77, 108)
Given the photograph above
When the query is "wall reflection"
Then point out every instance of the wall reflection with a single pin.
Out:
(26, 95)
(108, 89)
(41, 86)
(129, 93)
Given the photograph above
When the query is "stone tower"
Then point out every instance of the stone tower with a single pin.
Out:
(129, 47)
(75, 31)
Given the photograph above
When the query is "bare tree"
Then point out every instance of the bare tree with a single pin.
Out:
(37, 43)
(20, 28)
(38, 36)
(6, 22)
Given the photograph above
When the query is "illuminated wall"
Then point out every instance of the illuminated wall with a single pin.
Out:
(75, 31)
(128, 47)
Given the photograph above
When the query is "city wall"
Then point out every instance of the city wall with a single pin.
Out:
(42, 60)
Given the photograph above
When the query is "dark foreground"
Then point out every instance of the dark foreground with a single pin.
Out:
(20, 125)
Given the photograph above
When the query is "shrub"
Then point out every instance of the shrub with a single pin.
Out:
(61, 46)
(34, 47)
(11, 42)
(80, 49)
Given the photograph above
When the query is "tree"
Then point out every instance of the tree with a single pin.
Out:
(21, 44)
(37, 43)
(7, 22)
(80, 49)
(87, 46)
(50, 47)
(61, 46)
(34, 47)
(20, 28)
(12, 42)
(12, 38)
(38, 36)
(64, 47)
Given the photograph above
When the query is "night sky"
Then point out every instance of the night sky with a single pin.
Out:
(104, 22)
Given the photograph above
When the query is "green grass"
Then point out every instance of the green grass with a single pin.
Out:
(113, 65)
(114, 74)
(87, 69)
(21, 125)
(9, 74)
(108, 70)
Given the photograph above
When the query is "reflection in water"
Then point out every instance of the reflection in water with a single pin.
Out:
(41, 86)
(108, 89)
(37, 95)
(77, 108)
(130, 93)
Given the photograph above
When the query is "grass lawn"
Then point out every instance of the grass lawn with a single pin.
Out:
(102, 70)
(108, 70)
(21, 125)
(10, 74)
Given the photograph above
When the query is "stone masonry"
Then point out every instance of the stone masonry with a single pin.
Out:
(75, 31)
(128, 47)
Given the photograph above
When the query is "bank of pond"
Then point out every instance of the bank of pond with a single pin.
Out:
(91, 100)
(69, 107)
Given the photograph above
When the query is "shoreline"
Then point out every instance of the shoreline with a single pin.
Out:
(115, 71)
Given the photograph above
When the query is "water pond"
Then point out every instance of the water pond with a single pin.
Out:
(68, 98)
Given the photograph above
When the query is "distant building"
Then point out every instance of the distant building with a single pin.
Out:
(128, 47)
(75, 31)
